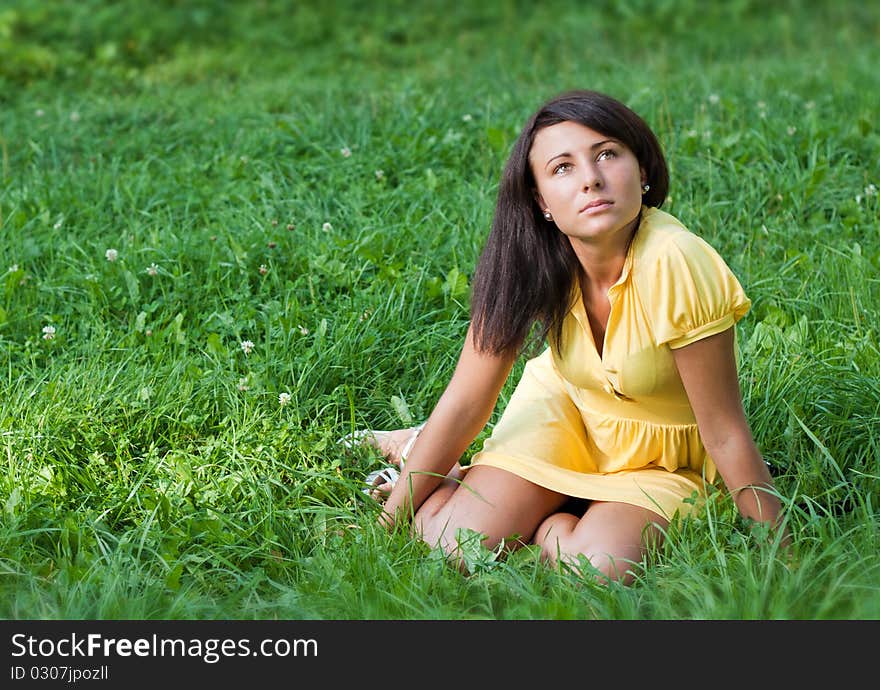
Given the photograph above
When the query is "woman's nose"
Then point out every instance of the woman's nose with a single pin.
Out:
(592, 178)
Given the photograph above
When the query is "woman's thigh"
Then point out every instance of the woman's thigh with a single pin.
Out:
(495, 502)
(612, 536)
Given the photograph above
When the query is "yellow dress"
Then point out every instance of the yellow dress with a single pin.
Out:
(619, 427)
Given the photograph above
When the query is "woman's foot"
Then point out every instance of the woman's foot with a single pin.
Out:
(379, 483)
(395, 446)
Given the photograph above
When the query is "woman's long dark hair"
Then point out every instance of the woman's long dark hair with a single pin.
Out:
(527, 269)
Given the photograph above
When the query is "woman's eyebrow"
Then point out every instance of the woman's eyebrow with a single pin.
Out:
(592, 148)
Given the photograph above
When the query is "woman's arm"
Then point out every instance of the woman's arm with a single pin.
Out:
(461, 413)
(708, 370)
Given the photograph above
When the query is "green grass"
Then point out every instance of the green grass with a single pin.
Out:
(147, 469)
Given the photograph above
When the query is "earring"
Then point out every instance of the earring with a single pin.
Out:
(548, 215)
(645, 188)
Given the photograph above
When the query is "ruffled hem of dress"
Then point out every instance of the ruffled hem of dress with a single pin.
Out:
(665, 493)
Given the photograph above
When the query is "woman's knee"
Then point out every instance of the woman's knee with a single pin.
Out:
(490, 502)
(587, 561)
(427, 520)
(554, 535)
(609, 542)
(608, 567)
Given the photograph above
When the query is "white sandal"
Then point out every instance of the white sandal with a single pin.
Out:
(389, 474)
(376, 478)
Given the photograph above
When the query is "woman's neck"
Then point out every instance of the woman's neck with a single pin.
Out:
(602, 262)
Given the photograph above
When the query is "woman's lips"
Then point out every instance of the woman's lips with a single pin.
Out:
(597, 206)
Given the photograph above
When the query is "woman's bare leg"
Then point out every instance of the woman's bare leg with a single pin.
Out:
(614, 537)
(500, 505)
(496, 503)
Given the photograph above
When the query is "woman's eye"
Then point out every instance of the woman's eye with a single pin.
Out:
(607, 153)
(561, 168)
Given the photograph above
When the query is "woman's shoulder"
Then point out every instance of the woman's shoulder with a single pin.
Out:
(663, 234)
(683, 284)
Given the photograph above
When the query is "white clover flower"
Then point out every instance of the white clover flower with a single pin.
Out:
(74, 116)
(48, 332)
(247, 346)
(871, 190)
(379, 174)
(243, 384)
(39, 112)
(467, 117)
(263, 269)
(283, 399)
(13, 268)
(152, 270)
(345, 151)
(57, 226)
(791, 130)
(326, 227)
(714, 98)
(111, 255)
(303, 330)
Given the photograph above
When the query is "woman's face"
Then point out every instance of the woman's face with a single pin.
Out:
(589, 182)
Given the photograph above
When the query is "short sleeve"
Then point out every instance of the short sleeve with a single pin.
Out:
(695, 293)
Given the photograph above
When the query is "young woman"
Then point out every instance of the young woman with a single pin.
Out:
(635, 403)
